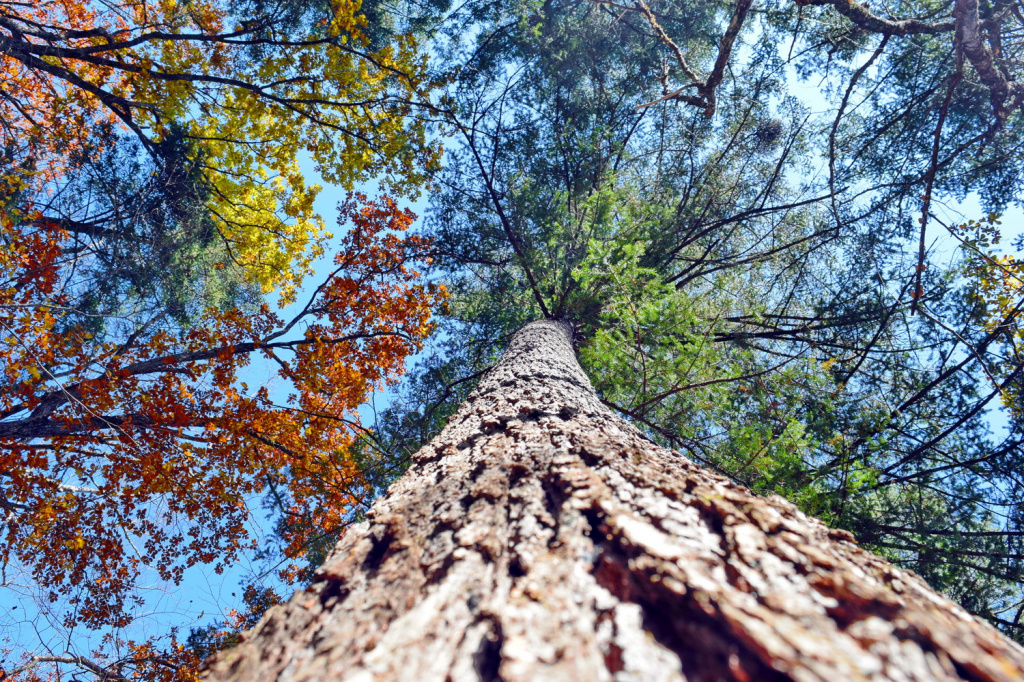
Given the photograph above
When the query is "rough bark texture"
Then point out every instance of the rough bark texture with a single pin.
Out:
(540, 537)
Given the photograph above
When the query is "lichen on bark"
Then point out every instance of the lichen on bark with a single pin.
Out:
(541, 537)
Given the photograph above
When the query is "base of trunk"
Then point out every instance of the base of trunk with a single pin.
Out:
(540, 537)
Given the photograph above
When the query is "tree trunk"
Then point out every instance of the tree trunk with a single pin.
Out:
(541, 537)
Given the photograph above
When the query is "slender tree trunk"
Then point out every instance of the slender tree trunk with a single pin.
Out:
(540, 537)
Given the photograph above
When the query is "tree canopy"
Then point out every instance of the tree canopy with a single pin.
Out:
(232, 94)
(157, 232)
(779, 286)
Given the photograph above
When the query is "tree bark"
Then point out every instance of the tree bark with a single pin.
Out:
(541, 537)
